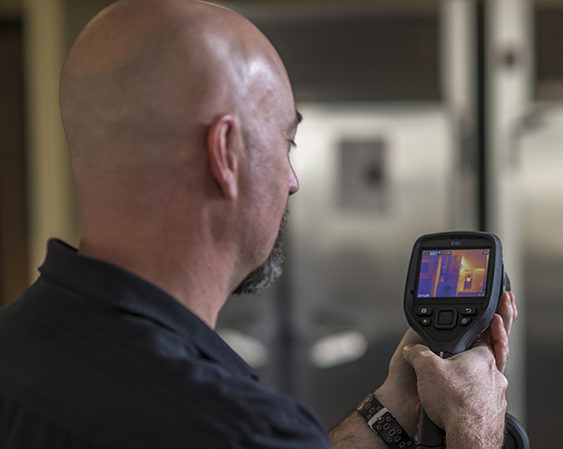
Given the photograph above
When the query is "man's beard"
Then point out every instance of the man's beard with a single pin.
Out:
(263, 276)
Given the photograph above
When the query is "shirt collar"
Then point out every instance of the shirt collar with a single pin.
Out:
(106, 282)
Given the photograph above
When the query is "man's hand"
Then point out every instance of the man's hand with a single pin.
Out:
(481, 364)
(399, 393)
(465, 394)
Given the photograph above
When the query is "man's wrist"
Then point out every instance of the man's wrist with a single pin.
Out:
(384, 424)
(353, 433)
(402, 407)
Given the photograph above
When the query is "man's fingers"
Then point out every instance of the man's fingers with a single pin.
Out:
(499, 342)
(417, 355)
(513, 304)
(495, 339)
(507, 310)
(496, 335)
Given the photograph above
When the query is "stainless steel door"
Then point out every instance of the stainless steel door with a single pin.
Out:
(541, 197)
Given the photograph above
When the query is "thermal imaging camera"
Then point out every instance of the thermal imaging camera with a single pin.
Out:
(454, 284)
(453, 289)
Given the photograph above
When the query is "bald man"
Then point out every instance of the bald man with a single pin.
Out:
(179, 117)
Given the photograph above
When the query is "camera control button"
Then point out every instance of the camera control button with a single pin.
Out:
(426, 321)
(423, 311)
(464, 321)
(468, 310)
(446, 319)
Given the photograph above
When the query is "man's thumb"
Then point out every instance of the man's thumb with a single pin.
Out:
(415, 354)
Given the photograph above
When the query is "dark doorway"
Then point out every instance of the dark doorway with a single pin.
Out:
(13, 223)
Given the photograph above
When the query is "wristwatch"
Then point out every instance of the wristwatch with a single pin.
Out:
(382, 422)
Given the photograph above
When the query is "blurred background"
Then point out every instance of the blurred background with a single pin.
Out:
(419, 116)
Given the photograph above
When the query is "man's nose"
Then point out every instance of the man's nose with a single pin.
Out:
(293, 181)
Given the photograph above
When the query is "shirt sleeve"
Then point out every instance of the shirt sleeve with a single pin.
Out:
(254, 416)
(289, 426)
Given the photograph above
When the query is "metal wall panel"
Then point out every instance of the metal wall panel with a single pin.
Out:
(541, 196)
(349, 264)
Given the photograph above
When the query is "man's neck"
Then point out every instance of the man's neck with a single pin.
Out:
(193, 278)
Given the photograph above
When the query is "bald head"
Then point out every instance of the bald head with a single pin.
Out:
(144, 74)
(179, 116)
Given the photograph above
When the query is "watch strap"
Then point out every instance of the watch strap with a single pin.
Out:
(383, 423)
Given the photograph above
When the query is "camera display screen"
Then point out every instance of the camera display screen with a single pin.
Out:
(452, 273)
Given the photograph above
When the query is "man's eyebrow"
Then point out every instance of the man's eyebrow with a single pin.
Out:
(296, 120)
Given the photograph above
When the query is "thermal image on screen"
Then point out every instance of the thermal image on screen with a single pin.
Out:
(453, 273)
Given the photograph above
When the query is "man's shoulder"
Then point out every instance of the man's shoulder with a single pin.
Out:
(107, 374)
(23, 428)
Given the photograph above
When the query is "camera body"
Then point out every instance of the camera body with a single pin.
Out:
(453, 288)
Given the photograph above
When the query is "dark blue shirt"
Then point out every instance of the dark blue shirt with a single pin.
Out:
(92, 356)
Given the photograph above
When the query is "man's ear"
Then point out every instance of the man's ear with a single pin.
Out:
(222, 141)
